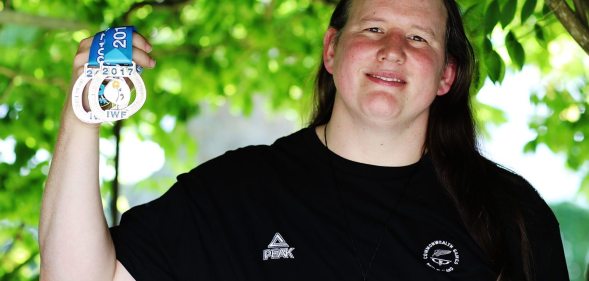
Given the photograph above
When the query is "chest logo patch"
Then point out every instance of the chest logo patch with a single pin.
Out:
(441, 255)
(278, 249)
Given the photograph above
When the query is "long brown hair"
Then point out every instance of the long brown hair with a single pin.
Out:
(452, 146)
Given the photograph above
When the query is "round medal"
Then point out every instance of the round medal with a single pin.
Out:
(77, 96)
(116, 92)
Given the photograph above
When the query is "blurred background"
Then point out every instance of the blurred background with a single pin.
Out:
(233, 73)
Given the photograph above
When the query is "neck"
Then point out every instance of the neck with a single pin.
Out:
(373, 146)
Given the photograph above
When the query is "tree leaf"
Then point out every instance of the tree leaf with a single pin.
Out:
(508, 12)
(515, 50)
(531, 146)
(491, 16)
(472, 18)
(528, 9)
(539, 35)
(487, 45)
(495, 66)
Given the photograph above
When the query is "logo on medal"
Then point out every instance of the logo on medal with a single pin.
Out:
(441, 255)
(278, 249)
(117, 93)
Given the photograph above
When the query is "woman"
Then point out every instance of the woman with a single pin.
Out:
(386, 182)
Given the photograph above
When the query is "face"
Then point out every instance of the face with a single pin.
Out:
(388, 62)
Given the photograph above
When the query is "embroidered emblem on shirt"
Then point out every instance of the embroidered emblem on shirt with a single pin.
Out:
(278, 249)
(441, 255)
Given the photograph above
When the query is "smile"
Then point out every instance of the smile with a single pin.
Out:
(389, 79)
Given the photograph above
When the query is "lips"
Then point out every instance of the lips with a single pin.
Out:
(387, 78)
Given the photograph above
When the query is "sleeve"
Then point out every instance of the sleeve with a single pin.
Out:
(152, 237)
(547, 254)
(548, 258)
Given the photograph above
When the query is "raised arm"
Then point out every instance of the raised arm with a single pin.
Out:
(73, 234)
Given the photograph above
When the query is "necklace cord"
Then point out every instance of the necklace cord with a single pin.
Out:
(394, 206)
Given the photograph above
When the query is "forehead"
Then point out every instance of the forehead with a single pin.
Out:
(427, 13)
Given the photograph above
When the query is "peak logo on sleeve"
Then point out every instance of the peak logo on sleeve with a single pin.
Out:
(278, 249)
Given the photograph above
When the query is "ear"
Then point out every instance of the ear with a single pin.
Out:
(329, 49)
(448, 76)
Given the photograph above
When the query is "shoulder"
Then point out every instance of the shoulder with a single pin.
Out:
(252, 159)
(512, 187)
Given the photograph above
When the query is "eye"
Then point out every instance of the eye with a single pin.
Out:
(417, 38)
(374, 29)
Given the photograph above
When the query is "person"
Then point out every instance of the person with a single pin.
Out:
(386, 183)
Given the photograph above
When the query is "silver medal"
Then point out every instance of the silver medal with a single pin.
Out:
(77, 96)
(116, 92)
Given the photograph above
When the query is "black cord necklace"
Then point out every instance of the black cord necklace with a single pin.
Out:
(365, 271)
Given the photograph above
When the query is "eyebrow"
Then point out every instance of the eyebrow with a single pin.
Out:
(381, 20)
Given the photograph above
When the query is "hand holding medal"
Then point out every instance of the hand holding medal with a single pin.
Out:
(110, 65)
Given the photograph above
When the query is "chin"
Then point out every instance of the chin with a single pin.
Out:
(384, 107)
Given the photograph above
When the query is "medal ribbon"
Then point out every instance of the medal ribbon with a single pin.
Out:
(118, 47)
(97, 50)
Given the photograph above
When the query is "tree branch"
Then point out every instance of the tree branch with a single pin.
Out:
(12, 75)
(12, 17)
(581, 11)
(571, 23)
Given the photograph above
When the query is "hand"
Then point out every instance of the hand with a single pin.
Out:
(141, 50)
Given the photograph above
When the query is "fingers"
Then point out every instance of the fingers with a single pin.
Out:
(142, 58)
(141, 49)
(141, 43)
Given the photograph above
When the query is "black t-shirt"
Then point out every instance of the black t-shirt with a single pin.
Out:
(296, 211)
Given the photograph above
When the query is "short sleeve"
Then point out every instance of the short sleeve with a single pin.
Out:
(151, 236)
(548, 259)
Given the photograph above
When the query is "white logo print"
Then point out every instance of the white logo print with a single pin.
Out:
(278, 249)
(441, 256)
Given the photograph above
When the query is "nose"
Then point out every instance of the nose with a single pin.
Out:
(392, 49)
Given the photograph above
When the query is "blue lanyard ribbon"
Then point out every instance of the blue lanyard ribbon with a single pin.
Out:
(113, 46)
(97, 50)
(118, 47)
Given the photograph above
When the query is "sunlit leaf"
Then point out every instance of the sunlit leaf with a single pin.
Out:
(528, 9)
(508, 12)
(495, 66)
(515, 50)
(491, 17)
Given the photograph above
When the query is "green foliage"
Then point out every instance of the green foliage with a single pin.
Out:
(227, 52)
(574, 236)
(507, 12)
(515, 50)
(528, 9)
(492, 16)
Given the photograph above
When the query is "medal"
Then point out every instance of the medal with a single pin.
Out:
(117, 93)
(95, 57)
(77, 96)
(109, 66)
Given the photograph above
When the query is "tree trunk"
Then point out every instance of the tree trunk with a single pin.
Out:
(114, 211)
(571, 22)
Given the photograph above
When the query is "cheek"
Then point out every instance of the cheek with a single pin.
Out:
(429, 66)
(425, 59)
(350, 58)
